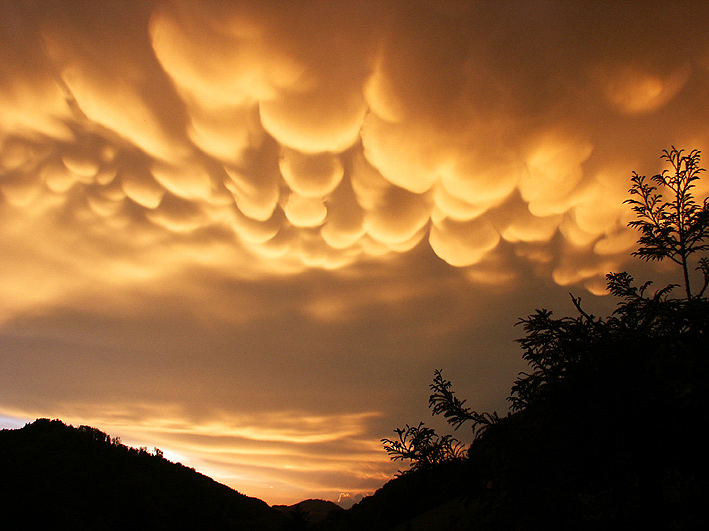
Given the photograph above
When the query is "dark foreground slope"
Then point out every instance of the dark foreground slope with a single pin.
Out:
(610, 435)
(54, 476)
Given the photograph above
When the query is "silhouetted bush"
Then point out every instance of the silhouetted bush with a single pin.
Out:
(606, 428)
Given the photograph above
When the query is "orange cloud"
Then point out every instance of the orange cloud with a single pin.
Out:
(295, 453)
(166, 159)
(320, 147)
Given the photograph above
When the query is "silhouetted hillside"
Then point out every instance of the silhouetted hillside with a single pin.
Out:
(617, 441)
(54, 476)
(608, 426)
(307, 512)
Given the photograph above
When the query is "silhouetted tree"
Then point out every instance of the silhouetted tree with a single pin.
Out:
(422, 446)
(678, 227)
(443, 401)
(604, 429)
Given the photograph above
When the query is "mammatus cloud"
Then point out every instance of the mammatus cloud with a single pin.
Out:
(313, 136)
(151, 147)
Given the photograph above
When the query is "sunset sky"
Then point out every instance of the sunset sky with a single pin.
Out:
(247, 232)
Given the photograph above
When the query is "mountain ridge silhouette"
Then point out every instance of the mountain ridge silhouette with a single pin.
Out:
(56, 476)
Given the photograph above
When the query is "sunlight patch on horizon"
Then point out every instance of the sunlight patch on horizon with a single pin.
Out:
(246, 451)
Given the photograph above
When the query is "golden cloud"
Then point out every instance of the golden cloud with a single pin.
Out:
(303, 144)
(305, 141)
(266, 455)
(159, 146)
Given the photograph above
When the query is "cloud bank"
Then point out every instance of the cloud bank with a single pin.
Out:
(312, 135)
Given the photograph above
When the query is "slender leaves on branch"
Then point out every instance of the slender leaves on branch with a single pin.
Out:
(677, 227)
(444, 402)
(422, 446)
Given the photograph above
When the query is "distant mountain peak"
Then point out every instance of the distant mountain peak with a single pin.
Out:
(346, 500)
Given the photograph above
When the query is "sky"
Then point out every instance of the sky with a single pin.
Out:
(248, 232)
